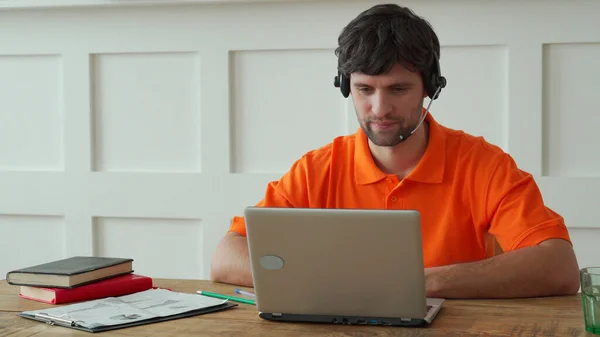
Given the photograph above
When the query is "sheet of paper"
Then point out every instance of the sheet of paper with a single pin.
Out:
(129, 308)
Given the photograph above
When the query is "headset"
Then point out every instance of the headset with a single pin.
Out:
(433, 86)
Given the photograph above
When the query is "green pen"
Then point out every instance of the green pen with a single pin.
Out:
(225, 297)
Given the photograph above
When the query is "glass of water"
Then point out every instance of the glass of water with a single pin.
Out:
(590, 297)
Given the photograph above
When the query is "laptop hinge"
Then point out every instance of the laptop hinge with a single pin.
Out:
(277, 314)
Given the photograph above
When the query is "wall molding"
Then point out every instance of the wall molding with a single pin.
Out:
(33, 4)
(46, 4)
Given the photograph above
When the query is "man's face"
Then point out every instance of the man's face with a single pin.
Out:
(388, 105)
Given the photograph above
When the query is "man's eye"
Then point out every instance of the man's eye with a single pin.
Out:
(363, 89)
(399, 89)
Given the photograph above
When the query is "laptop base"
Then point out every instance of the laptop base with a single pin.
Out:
(347, 320)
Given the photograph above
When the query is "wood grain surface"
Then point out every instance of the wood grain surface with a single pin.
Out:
(536, 317)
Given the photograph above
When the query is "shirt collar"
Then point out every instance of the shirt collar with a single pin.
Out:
(430, 168)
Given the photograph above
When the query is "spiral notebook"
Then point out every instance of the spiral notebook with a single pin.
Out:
(145, 307)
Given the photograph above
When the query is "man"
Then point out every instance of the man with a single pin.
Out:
(401, 158)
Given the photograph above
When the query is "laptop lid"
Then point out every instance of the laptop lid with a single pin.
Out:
(337, 262)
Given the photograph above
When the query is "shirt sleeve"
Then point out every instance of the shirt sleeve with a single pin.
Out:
(515, 209)
(289, 191)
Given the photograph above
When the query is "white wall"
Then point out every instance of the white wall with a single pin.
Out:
(139, 131)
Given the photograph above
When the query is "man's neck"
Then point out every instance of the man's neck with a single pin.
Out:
(404, 157)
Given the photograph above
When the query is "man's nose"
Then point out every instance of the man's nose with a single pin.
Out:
(380, 105)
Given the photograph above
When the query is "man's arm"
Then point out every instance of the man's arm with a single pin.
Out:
(547, 269)
(231, 262)
(538, 258)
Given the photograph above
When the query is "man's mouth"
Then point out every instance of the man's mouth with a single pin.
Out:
(383, 124)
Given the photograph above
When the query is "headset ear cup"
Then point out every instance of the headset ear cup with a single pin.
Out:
(430, 86)
(342, 82)
(440, 83)
(345, 85)
(437, 81)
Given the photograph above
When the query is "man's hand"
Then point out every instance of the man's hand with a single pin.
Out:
(231, 261)
(549, 269)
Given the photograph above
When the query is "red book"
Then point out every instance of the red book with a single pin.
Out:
(112, 287)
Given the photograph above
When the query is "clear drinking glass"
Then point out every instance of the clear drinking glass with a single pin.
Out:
(590, 297)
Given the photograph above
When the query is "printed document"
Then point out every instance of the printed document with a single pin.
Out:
(129, 308)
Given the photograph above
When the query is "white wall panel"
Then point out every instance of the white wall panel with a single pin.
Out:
(37, 193)
(571, 122)
(146, 112)
(159, 247)
(585, 243)
(284, 106)
(476, 96)
(29, 240)
(31, 116)
(571, 149)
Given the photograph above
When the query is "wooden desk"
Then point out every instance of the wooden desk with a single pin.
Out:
(528, 317)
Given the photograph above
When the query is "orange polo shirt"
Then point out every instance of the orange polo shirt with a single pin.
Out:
(463, 187)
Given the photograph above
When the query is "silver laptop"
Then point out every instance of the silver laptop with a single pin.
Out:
(344, 266)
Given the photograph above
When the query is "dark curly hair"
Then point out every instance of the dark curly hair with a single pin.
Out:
(384, 35)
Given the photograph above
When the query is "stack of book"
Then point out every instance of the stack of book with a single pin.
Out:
(78, 278)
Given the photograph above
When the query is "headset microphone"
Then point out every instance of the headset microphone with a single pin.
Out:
(404, 137)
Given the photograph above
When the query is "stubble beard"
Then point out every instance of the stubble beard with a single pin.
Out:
(390, 138)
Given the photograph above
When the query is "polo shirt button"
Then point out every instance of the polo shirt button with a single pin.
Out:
(394, 198)
(388, 180)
